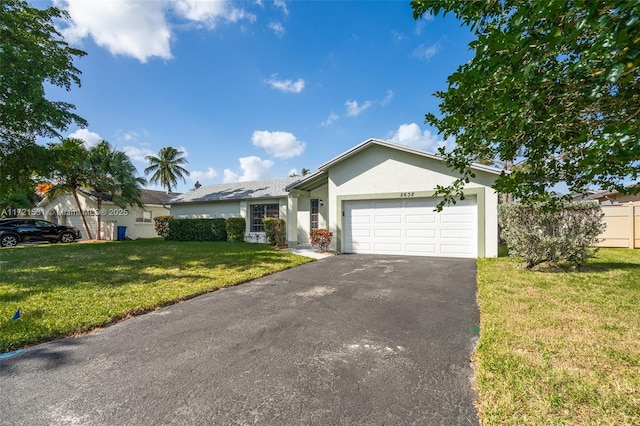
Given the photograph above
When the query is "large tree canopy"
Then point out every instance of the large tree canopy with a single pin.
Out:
(553, 85)
(33, 54)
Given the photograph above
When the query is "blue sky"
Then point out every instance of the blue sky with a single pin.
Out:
(257, 89)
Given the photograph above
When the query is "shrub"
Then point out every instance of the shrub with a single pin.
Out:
(197, 230)
(235, 228)
(321, 238)
(161, 225)
(276, 231)
(539, 233)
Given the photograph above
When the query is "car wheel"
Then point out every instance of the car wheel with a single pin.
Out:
(9, 240)
(67, 237)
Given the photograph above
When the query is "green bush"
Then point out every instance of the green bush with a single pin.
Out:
(539, 233)
(197, 230)
(161, 225)
(276, 231)
(235, 228)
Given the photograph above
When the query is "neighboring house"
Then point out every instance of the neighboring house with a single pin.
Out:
(376, 198)
(606, 198)
(139, 221)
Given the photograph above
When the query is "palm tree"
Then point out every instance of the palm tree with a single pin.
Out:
(110, 172)
(70, 175)
(167, 167)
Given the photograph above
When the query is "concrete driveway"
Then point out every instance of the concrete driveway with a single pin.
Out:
(349, 339)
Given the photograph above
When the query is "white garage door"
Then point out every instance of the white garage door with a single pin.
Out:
(411, 227)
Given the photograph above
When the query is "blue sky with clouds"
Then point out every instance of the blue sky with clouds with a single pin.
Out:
(257, 89)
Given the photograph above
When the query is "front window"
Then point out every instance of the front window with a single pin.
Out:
(314, 213)
(143, 216)
(261, 211)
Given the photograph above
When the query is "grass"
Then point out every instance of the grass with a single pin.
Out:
(68, 289)
(560, 347)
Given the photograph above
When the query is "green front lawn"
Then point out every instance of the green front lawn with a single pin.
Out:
(73, 288)
(560, 348)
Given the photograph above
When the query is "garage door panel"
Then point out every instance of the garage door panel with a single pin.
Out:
(458, 218)
(422, 249)
(387, 219)
(382, 233)
(420, 218)
(421, 233)
(387, 247)
(411, 227)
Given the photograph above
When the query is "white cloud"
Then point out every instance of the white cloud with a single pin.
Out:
(397, 36)
(277, 28)
(90, 138)
(282, 5)
(230, 176)
(286, 85)
(127, 136)
(137, 154)
(332, 117)
(278, 144)
(140, 29)
(425, 52)
(387, 98)
(354, 109)
(124, 27)
(422, 23)
(411, 135)
(185, 153)
(209, 12)
(201, 176)
(253, 168)
(293, 172)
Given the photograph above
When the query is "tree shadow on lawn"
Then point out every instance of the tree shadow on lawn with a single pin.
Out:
(97, 285)
(107, 266)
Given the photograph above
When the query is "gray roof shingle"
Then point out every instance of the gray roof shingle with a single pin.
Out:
(272, 188)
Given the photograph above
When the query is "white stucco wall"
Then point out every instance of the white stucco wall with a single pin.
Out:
(303, 216)
(112, 217)
(223, 209)
(382, 172)
(226, 209)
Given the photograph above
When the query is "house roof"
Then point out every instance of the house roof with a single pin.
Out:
(314, 179)
(272, 188)
(149, 196)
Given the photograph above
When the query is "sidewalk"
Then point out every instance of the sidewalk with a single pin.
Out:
(308, 251)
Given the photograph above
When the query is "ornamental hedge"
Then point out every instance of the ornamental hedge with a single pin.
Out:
(542, 234)
(197, 230)
(235, 227)
(276, 231)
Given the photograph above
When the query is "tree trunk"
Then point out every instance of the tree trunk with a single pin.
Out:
(99, 236)
(84, 218)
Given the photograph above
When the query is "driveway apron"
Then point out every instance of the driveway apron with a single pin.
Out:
(349, 339)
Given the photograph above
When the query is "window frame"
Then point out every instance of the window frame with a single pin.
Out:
(314, 214)
(140, 216)
(257, 212)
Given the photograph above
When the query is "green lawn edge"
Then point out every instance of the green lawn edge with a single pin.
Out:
(73, 289)
(559, 347)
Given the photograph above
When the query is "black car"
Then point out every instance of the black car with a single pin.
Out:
(17, 230)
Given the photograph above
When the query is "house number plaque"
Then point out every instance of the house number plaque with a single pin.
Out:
(407, 194)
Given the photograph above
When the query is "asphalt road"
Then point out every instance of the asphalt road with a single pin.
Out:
(346, 340)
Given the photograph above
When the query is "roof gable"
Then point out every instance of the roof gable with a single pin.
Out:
(272, 188)
(315, 178)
